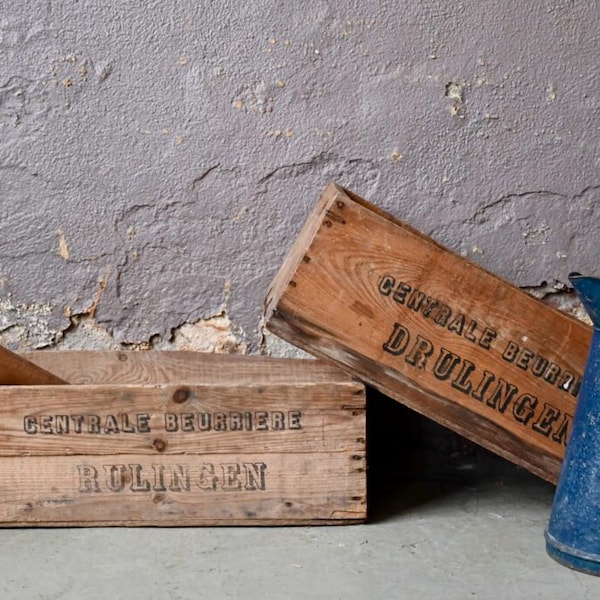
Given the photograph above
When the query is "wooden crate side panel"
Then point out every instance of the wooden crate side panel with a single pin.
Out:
(438, 408)
(182, 490)
(137, 368)
(158, 420)
(372, 292)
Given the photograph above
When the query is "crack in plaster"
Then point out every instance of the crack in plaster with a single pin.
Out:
(320, 160)
(204, 175)
(479, 217)
(528, 237)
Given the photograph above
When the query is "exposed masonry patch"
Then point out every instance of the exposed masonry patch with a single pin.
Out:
(85, 334)
(561, 297)
(455, 92)
(28, 328)
(215, 334)
(271, 345)
(207, 335)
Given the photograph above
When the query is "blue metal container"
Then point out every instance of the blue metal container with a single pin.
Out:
(573, 533)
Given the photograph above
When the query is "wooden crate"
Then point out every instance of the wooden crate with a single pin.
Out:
(432, 330)
(176, 438)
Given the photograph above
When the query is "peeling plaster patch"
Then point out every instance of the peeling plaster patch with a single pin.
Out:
(21, 98)
(207, 335)
(538, 235)
(258, 98)
(455, 91)
(562, 298)
(103, 70)
(271, 345)
(85, 333)
(26, 327)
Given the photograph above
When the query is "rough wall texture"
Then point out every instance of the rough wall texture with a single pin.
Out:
(158, 158)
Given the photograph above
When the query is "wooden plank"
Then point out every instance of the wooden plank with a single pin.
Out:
(432, 330)
(105, 367)
(16, 370)
(168, 419)
(220, 489)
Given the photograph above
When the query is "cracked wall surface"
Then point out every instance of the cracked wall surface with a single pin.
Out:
(158, 159)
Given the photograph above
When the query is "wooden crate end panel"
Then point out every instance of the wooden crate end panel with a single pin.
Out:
(297, 253)
(438, 329)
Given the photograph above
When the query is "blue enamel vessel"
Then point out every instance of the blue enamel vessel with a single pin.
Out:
(573, 533)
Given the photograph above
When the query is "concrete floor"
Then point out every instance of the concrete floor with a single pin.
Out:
(466, 529)
(447, 520)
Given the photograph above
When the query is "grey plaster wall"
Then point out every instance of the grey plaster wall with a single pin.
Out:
(158, 158)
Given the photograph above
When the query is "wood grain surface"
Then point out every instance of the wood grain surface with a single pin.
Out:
(105, 367)
(219, 489)
(169, 438)
(432, 330)
(169, 419)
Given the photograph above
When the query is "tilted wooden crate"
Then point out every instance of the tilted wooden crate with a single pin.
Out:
(432, 330)
(175, 438)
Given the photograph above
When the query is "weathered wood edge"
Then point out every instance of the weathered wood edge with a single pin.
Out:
(296, 254)
(346, 520)
(351, 383)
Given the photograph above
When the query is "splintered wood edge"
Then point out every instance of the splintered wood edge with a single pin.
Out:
(297, 253)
